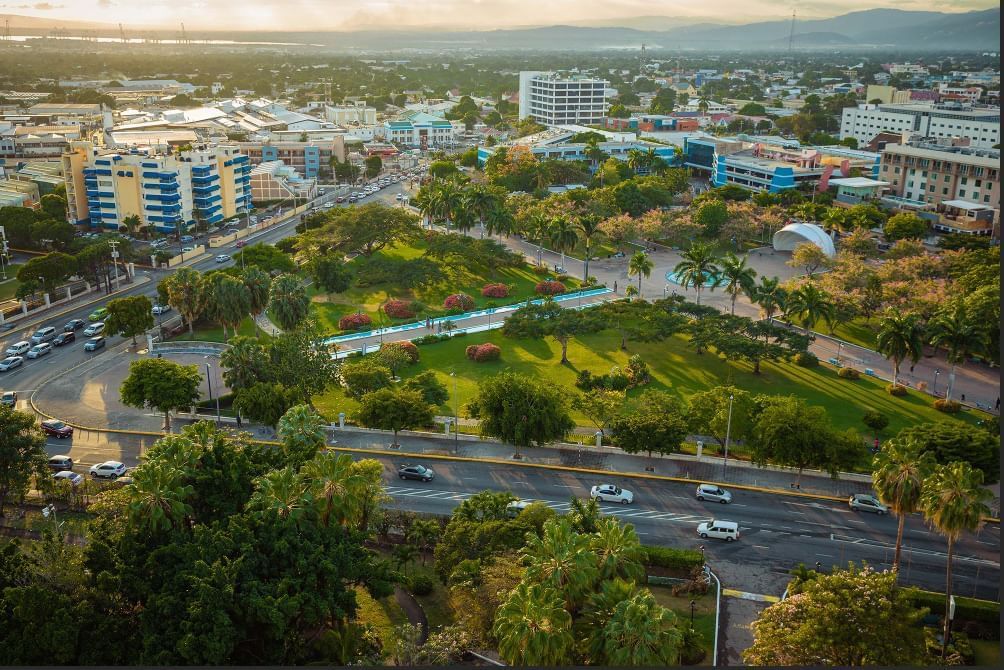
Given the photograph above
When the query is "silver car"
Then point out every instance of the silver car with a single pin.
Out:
(40, 350)
(862, 502)
(714, 493)
(10, 363)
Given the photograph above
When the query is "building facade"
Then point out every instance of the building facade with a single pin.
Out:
(554, 100)
(981, 125)
(418, 129)
(309, 158)
(272, 181)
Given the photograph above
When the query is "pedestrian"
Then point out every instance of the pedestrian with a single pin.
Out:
(615, 286)
(997, 405)
(963, 397)
(911, 369)
(238, 420)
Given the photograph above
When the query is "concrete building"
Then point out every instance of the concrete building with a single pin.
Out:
(418, 129)
(272, 181)
(16, 193)
(553, 99)
(554, 144)
(980, 125)
(166, 191)
(310, 159)
(348, 115)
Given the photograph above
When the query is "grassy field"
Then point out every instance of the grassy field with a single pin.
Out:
(704, 615)
(329, 308)
(861, 332)
(987, 653)
(207, 331)
(9, 286)
(383, 615)
(675, 368)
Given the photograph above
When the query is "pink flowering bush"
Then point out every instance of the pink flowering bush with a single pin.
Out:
(459, 301)
(398, 309)
(354, 321)
(407, 347)
(495, 291)
(549, 288)
(481, 353)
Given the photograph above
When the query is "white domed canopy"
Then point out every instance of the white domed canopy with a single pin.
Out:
(794, 234)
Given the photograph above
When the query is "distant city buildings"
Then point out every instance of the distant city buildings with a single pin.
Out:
(553, 99)
(272, 181)
(980, 125)
(419, 129)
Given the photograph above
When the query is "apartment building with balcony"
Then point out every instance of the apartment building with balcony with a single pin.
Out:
(556, 100)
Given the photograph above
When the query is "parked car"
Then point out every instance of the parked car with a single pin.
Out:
(94, 329)
(10, 363)
(160, 309)
(611, 493)
(862, 502)
(60, 463)
(43, 335)
(40, 350)
(108, 470)
(185, 250)
(97, 314)
(94, 344)
(56, 428)
(222, 258)
(64, 338)
(9, 399)
(240, 244)
(720, 530)
(714, 493)
(73, 477)
(416, 472)
(73, 324)
(187, 238)
(18, 348)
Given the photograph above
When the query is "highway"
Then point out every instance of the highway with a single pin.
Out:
(777, 531)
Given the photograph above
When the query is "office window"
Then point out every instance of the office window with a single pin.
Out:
(944, 191)
(964, 181)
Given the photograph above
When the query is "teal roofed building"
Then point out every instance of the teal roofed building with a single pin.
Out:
(418, 129)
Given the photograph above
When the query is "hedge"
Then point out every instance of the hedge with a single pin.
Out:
(966, 609)
(666, 557)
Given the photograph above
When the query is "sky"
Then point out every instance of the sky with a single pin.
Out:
(469, 14)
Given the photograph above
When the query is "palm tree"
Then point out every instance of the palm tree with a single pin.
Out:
(283, 493)
(187, 292)
(898, 476)
(301, 431)
(960, 335)
(562, 235)
(900, 336)
(810, 305)
(422, 534)
(333, 486)
(589, 226)
(533, 627)
(703, 104)
(404, 554)
(737, 277)
(499, 220)
(584, 515)
(953, 500)
(770, 296)
(636, 159)
(594, 153)
(535, 229)
(698, 268)
(259, 286)
(591, 626)
(640, 265)
(157, 497)
(425, 201)
(641, 632)
(560, 558)
(618, 550)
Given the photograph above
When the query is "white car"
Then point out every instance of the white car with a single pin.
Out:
(40, 350)
(714, 493)
(94, 329)
(108, 470)
(611, 493)
(70, 476)
(18, 348)
(222, 258)
(10, 363)
(185, 250)
(161, 309)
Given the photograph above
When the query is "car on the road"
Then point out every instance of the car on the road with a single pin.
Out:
(73, 324)
(74, 478)
(94, 329)
(18, 348)
(240, 243)
(94, 344)
(97, 314)
(43, 335)
(8, 399)
(187, 238)
(160, 309)
(714, 493)
(419, 472)
(340, 198)
(222, 258)
(399, 196)
(10, 363)
(718, 529)
(60, 463)
(56, 428)
(514, 508)
(64, 338)
(40, 350)
(108, 470)
(185, 250)
(862, 502)
(611, 493)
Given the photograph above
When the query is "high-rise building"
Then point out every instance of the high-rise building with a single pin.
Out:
(553, 99)
(981, 125)
(166, 191)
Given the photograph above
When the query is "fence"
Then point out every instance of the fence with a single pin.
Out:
(14, 310)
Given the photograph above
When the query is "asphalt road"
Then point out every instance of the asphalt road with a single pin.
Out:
(32, 372)
(777, 531)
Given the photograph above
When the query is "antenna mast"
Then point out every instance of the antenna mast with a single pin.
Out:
(122, 33)
(791, 34)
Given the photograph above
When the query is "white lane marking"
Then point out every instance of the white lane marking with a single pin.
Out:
(865, 542)
(741, 505)
(759, 546)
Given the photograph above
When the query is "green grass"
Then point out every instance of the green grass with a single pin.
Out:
(704, 615)
(861, 332)
(329, 308)
(987, 653)
(384, 615)
(206, 331)
(436, 604)
(9, 286)
(675, 368)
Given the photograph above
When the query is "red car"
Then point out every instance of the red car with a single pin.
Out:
(56, 428)
(340, 198)
(240, 244)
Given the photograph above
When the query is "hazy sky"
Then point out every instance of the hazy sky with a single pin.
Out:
(481, 14)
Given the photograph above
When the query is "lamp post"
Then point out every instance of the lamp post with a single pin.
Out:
(693, 604)
(728, 433)
(209, 381)
(456, 415)
(934, 389)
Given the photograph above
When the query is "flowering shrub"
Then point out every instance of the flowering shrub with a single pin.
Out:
(407, 347)
(354, 321)
(540, 270)
(481, 353)
(848, 373)
(549, 288)
(495, 291)
(947, 406)
(398, 309)
(896, 389)
(806, 359)
(460, 301)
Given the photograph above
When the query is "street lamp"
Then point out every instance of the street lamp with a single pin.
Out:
(934, 389)
(209, 381)
(818, 566)
(456, 415)
(693, 604)
(728, 433)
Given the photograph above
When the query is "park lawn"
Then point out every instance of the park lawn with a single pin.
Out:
(704, 615)
(8, 287)
(987, 653)
(435, 604)
(208, 331)
(384, 615)
(329, 308)
(675, 368)
(861, 332)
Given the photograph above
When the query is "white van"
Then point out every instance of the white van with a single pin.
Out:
(45, 334)
(720, 530)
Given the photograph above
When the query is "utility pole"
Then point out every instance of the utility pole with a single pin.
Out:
(728, 433)
(115, 254)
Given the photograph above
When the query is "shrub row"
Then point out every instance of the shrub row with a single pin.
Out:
(482, 353)
(966, 609)
(947, 406)
(667, 557)
(848, 373)
(896, 389)
(432, 339)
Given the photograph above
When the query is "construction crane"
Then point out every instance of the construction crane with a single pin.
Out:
(6, 30)
(184, 37)
(122, 34)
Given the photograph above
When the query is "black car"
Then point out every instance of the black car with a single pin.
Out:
(75, 324)
(416, 472)
(64, 338)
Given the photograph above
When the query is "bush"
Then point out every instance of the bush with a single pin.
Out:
(549, 288)
(407, 347)
(354, 321)
(539, 270)
(429, 339)
(459, 301)
(421, 585)
(495, 291)
(678, 559)
(584, 380)
(637, 371)
(947, 406)
(481, 353)
(615, 380)
(563, 277)
(806, 359)
(897, 390)
(848, 373)
(398, 309)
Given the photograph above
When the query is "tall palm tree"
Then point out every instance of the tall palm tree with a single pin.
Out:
(533, 627)
(334, 487)
(422, 534)
(563, 236)
(737, 277)
(593, 152)
(898, 474)
(591, 625)
(301, 431)
(770, 296)
(698, 268)
(425, 201)
(900, 336)
(499, 220)
(157, 497)
(618, 549)
(640, 265)
(560, 558)
(589, 226)
(636, 159)
(953, 500)
(703, 104)
(283, 493)
(961, 336)
(641, 633)
(810, 305)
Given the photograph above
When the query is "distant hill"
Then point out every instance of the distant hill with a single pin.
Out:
(36, 23)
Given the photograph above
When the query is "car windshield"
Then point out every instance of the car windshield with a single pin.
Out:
(55, 424)
(420, 469)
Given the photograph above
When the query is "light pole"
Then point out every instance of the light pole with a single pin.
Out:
(728, 432)
(934, 389)
(115, 254)
(3, 251)
(693, 604)
(456, 415)
(209, 381)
